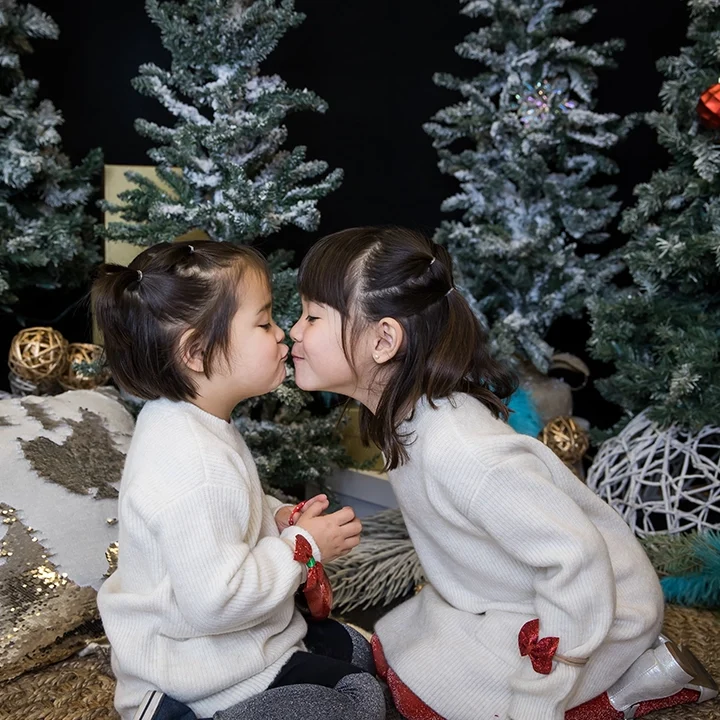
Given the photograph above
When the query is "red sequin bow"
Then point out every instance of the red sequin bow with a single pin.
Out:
(317, 589)
(541, 652)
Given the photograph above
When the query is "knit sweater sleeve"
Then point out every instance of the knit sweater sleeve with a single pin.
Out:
(524, 512)
(274, 504)
(221, 583)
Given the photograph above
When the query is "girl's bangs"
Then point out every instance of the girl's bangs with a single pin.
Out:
(323, 272)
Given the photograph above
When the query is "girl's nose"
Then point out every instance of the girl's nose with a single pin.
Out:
(295, 334)
(279, 333)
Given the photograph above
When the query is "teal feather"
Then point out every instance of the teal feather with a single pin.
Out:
(524, 417)
(701, 588)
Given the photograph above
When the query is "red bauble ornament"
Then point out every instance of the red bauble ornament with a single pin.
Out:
(708, 107)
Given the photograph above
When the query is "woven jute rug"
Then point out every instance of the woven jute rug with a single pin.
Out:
(81, 688)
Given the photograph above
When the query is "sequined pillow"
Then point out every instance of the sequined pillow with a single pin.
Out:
(61, 459)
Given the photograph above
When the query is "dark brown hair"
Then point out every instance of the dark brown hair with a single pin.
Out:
(370, 273)
(144, 309)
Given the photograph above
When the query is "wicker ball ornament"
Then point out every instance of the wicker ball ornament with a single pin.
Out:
(660, 481)
(79, 378)
(566, 439)
(38, 354)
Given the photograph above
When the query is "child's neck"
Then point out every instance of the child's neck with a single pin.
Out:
(220, 407)
(368, 393)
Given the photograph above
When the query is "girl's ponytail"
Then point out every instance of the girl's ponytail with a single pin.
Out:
(111, 297)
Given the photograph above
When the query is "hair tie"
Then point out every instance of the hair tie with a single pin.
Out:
(139, 272)
(449, 291)
(432, 261)
(191, 248)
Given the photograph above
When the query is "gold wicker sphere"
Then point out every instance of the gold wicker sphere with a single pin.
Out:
(73, 378)
(38, 354)
(566, 439)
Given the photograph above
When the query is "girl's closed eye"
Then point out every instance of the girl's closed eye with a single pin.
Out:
(311, 318)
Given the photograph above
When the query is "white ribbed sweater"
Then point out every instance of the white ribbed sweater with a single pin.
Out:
(505, 534)
(201, 605)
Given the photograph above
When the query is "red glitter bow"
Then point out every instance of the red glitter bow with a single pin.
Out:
(317, 589)
(541, 652)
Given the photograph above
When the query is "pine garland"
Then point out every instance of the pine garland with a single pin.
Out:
(689, 567)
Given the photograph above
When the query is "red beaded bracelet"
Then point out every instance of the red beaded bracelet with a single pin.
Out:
(297, 509)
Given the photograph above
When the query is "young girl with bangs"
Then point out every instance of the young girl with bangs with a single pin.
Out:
(540, 601)
(200, 612)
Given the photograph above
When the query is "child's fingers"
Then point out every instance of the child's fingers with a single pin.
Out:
(322, 499)
(312, 509)
(352, 529)
(350, 543)
(343, 516)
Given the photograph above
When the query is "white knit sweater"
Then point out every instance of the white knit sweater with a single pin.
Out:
(505, 534)
(201, 605)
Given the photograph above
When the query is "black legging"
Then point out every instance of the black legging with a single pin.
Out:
(329, 660)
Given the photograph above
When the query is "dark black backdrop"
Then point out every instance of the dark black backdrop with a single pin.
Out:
(373, 61)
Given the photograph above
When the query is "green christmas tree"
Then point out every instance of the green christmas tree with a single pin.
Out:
(236, 182)
(529, 153)
(46, 237)
(225, 171)
(663, 332)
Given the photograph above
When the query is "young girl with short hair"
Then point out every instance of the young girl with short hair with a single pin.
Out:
(539, 599)
(200, 612)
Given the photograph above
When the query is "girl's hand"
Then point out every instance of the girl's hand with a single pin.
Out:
(335, 534)
(283, 515)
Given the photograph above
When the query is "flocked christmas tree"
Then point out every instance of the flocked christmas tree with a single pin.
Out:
(529, 153)
(663, 332)
(225, 171)
(46, 237)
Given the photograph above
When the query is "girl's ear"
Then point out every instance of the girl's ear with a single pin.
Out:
(190, 354)
(389, 337)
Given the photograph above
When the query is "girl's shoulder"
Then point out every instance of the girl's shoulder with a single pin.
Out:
(182, 422)
(457, 418)
(174, 440)
(461, 435)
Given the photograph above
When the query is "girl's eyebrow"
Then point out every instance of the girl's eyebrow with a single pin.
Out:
(265, 308)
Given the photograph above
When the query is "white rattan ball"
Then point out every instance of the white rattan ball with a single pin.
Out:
(660, 481)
